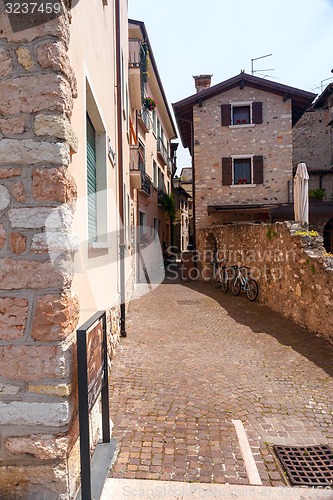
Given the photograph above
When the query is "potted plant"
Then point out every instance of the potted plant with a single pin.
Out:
(316, 194)
(149, 103)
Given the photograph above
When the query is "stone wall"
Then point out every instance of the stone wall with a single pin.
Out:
(294, 276)
(312, 141)
(272, 140)
(38, 312)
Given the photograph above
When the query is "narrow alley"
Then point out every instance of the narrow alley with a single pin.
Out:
(195, 361)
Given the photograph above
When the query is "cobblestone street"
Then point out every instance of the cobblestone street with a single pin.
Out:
(196, 359)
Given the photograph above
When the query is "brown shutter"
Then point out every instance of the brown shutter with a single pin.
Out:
(257, 112)
(226, 114)
(226, 171)
(258, 170)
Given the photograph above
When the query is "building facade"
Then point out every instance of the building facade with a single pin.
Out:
(239, 133)
(70, 204)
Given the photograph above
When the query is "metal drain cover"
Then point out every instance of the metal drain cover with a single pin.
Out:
(307, 465)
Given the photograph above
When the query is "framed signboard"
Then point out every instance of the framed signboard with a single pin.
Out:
(92, 365)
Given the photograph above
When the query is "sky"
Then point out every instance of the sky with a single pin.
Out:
(220, 37)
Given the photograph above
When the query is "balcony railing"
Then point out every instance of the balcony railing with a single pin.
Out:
(162, 150)
(161, 196)
(145, 119)
(138, 166)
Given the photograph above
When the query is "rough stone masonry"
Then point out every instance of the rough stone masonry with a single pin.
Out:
(38, 312)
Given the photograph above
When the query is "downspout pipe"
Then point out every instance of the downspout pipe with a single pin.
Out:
(120, 164)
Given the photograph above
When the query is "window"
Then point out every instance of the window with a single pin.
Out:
(241, 113)
(96, 173)
(242, 170)
(155, 178)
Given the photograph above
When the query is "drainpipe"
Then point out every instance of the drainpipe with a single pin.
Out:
(120, 171)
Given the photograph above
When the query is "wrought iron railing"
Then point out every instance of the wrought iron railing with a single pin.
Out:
(162, 150)
(144, 115)
(161, 196)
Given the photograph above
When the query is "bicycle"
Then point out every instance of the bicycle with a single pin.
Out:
(219, 277)
(245, 283)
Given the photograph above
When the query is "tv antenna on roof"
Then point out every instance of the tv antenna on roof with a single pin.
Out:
(260, 70)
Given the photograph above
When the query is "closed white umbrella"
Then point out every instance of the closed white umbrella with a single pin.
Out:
(301, 195)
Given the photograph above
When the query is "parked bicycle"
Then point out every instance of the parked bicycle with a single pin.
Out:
(244, 282)
(221, 275)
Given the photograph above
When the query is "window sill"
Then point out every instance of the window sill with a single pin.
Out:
(98, 249)
(243, 125)
(243, 186)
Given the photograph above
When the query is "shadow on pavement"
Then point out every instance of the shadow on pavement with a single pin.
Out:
(261, 319)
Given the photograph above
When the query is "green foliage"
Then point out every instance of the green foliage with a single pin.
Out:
(168, 204)
(316, 194)
(270, 233)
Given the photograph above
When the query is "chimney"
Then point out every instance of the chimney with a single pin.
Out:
(202, 82)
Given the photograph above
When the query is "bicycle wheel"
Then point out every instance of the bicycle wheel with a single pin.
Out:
(252, 290)
(216, 278)
(236, 286)
(225, 282)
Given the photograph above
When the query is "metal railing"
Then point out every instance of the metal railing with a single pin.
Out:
(145, 117)
(162, 150)
(161, 196)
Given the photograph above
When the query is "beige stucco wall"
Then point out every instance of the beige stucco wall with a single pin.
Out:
(272, 139)
(92, 54)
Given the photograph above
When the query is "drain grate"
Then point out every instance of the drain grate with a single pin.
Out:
(307, 465)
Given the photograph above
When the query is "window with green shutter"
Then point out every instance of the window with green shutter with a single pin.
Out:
(91, 181)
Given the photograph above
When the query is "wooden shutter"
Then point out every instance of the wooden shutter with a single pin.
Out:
(91, 181)
(258, 170)
(257, 112)
(226, 114)
(226, 171)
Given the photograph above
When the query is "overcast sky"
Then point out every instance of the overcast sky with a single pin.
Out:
(220, 37)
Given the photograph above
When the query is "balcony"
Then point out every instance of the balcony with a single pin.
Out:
(139, 179)
(161, 197)
(134, 73)
(145, 120)
(162, 151)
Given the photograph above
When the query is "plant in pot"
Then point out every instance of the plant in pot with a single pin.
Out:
(149, 103)
(316, 194)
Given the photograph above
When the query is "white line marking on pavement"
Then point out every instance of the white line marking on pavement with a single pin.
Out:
(250, 465)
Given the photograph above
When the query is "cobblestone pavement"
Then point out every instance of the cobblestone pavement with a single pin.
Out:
(194, 360)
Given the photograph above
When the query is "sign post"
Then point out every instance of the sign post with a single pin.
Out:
(92, 365)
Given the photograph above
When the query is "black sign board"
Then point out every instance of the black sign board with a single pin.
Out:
(92, 365)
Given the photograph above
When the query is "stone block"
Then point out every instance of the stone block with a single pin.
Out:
(9, 389)
(41, 446)
(8, 172)
(61, 390)
(6, 63)
(57, 126)
(55, 244)
(24, 58)
(18, 191)
(30, 94)
(54, 55)
(20, 274)
(30, 218)
(51, 414)
(53, 184)
(56, 317)
(32, 482)
(34, 362)
(13, 317)
(27, 151)
(58, 27)
(17, 243)
(12, 125)
(2, 236)
(4, 198)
